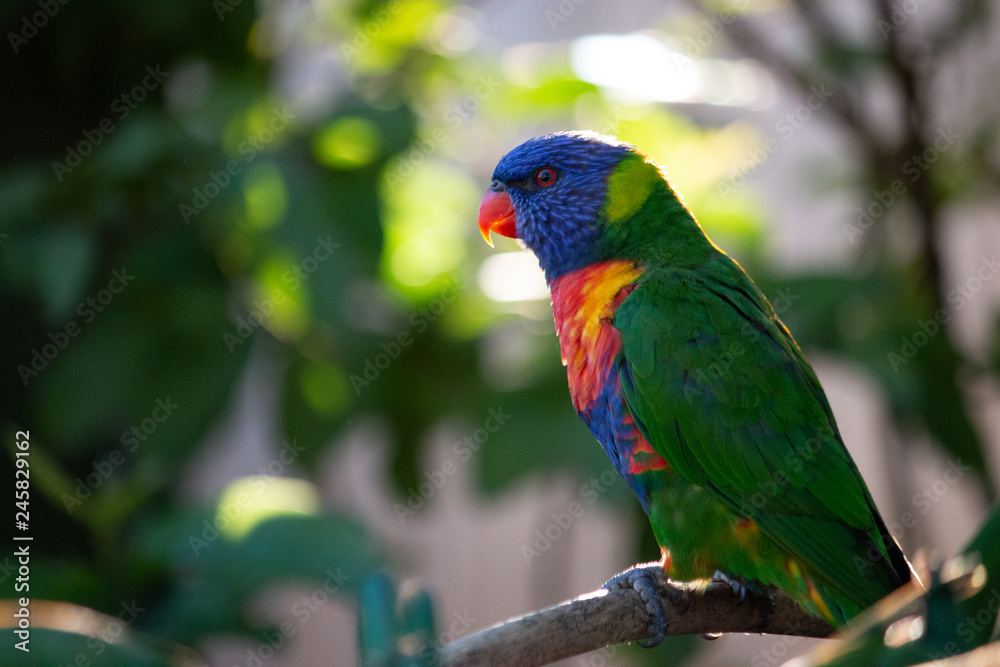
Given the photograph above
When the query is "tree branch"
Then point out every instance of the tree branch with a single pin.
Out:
(758, 44)
(601, 618)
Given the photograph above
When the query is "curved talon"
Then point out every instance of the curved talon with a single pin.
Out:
(739, 588)
(644, 579)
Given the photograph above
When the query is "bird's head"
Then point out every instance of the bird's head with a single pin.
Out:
(574, 198)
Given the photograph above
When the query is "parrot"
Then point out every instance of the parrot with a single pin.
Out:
(693, 387)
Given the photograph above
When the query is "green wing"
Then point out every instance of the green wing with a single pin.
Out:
(722, 392)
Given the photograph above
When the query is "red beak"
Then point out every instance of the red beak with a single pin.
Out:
(496, 214)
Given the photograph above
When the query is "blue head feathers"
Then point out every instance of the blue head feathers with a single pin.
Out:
(557, 184)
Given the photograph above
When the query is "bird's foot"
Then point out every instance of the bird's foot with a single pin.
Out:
(645, 580)
(741, 587)
(738, 585)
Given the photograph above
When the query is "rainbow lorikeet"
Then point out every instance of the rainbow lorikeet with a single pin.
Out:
(692, 385)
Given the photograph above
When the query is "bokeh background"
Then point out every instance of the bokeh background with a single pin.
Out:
(262, 352)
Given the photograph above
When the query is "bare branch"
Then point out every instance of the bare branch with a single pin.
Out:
(824, 30)
(602, 618)
(968, 15)
(756, 44)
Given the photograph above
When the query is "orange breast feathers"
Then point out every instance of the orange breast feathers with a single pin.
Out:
(583, 305)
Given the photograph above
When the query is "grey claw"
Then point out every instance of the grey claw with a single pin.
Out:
(739, 588)
(644, 580)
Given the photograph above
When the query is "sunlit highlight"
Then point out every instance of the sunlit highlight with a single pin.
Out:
(513, 276)
(639, 68)
(248, 501)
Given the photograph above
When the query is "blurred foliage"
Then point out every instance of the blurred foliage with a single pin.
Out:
(395, 632)
(183, 203)
(957, 614)
(53, 647)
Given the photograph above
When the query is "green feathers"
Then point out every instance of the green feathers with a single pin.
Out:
(722, 392)
(751, 477)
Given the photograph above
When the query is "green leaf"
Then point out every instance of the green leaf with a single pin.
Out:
(222, 574)
(117, 647)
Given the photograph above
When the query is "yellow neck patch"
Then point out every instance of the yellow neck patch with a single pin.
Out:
(629, 187)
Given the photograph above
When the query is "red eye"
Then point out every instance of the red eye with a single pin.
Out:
(545, 177)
